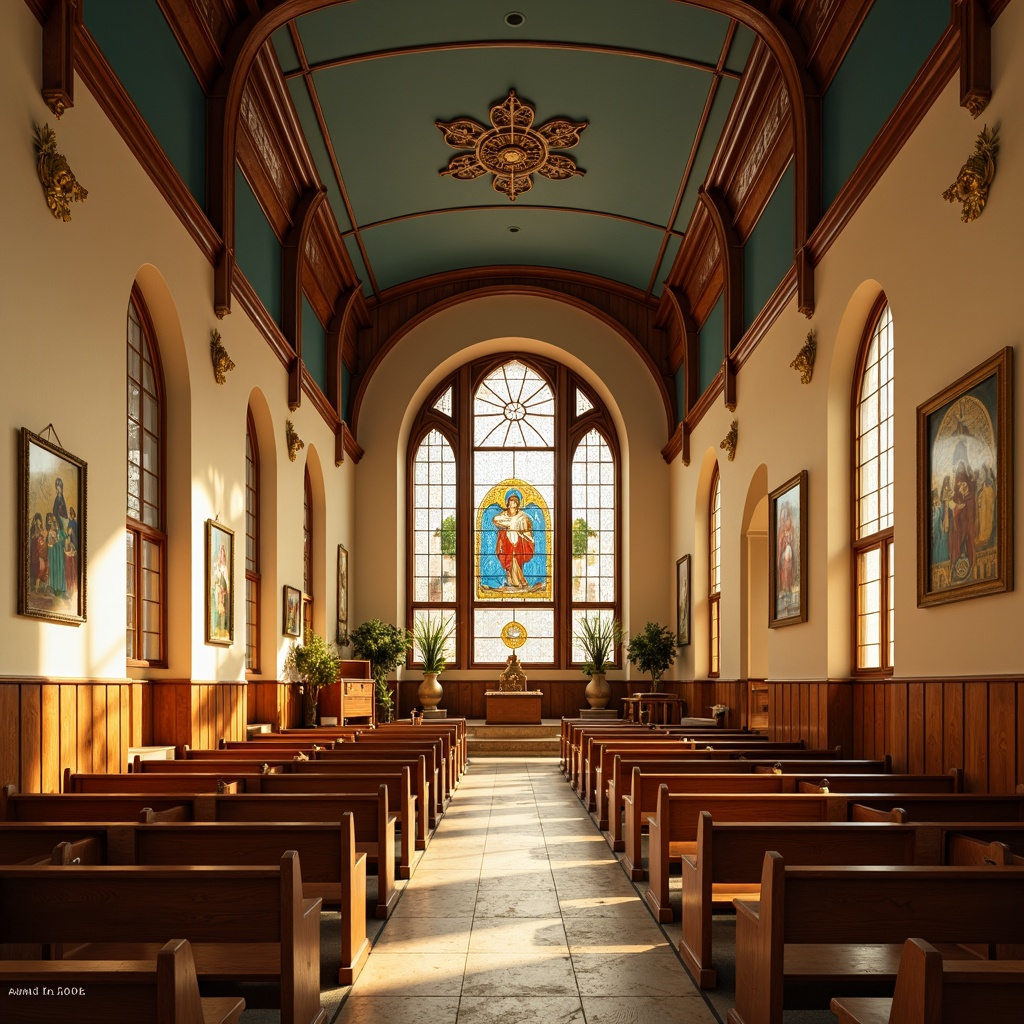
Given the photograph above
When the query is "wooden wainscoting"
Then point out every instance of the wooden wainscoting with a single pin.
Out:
(273, 701)
(196, 712)
(49, 724)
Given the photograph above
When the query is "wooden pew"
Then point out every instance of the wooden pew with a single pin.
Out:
(937, 807)
(138, 782)
(840, 930)
(160, 991)
(244, 923)
(931, 989)
(433, 748)
(332, 868)
(728, 857)
(673, 827)
(900, 782)
(286, 744)
(16, 806)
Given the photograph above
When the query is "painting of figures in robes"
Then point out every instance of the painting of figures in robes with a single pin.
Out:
(965, 486)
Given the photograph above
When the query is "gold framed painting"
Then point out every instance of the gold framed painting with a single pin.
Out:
(683, 601)
(220, 584)
(291, 614)
(51, 531)
(787, 561)
(965, 486)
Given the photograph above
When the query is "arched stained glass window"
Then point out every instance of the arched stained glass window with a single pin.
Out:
(498, 497)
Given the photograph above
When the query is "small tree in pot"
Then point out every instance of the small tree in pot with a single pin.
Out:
(652, 650)
(315, 664)
(384, 646)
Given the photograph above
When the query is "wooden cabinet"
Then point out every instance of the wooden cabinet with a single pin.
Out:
(351, 701)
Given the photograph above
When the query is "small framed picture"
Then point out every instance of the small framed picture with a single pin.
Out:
(787, 542)
(51, 531)
(965, 486)
(292, 616)
(341, 632)
(220, 589)
(683, 601)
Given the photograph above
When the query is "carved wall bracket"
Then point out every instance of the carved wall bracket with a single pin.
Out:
(222, 364)
(294, 442)
(972, 183)
(59, 183)
(971, 17)
(804, 362)
(729, 441)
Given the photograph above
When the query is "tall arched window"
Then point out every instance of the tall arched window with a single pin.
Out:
(146, 553)
(514, 510)
(252, 547)
(307, 552)
(715, 575)
(874, 607)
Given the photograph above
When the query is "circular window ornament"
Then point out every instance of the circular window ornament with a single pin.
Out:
(513, 634)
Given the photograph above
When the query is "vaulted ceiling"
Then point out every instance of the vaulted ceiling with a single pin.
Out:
(299, 142)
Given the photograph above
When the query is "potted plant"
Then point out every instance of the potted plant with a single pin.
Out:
(598, 638)
(432, 636)
(652, 650)
(315, 665)
(383, 646)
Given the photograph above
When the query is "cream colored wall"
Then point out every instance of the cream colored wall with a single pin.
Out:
(546, 327)
(954, 291)
(64, 292)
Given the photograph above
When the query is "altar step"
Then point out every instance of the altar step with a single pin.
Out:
(512, 740)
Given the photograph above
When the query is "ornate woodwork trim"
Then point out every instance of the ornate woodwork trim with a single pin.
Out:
(60, 31)
(975, 55)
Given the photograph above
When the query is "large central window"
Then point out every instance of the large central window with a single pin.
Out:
(514, 511)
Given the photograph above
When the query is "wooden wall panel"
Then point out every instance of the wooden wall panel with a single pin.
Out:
(1002, 718)
(933, 729)
(50, 743)
(10, 734)
(31, 738)
(976, 737)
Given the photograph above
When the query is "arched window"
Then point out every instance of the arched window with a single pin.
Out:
(307, 552)
(715, 575)
(874, 607)
(252, 547)
(146, 554)
(513, 490)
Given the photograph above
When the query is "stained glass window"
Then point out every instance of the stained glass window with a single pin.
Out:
(504, 489)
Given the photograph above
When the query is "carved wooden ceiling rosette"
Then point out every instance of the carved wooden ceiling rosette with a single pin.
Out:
(511, 149)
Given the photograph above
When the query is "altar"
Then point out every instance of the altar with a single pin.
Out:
(513, 707)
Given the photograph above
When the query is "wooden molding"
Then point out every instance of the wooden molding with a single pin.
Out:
(60, 32)
(975, 55)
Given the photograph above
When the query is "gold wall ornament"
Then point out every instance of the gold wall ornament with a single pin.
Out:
(972, 183)
(729, 441)
(59, 183)
(294, 441)
(222, 363)
(511, 149)
(804, 362)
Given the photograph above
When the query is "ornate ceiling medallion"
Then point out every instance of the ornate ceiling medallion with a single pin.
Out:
(511, 149)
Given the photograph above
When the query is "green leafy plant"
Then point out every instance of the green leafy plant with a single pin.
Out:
(432, 636)
(446, 534)
(598, 638)
(581, 536)
(315, 664)
(384, 646)
(652, 650)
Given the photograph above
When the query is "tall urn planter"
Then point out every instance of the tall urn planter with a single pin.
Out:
(598, 691)
(430, 691)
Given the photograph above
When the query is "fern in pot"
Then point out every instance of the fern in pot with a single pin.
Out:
(432, 636)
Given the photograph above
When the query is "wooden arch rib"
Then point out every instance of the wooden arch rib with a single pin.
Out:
(509, 289)
(292, 256)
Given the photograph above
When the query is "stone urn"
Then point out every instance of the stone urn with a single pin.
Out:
(598, 691)
(430, 691)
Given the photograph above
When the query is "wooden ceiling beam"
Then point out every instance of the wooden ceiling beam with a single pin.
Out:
(291, 306)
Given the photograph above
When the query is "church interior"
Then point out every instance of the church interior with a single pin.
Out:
(692, 316)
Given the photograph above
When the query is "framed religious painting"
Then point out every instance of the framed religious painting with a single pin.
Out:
(341, 632)
(683, 601)
(965, 486)
(292, 612)
(220, 583)
(787, 552)
(51, 531)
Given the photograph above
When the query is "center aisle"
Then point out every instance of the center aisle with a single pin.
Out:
(519, 913)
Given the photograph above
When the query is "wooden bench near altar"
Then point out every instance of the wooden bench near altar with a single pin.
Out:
(513, 707)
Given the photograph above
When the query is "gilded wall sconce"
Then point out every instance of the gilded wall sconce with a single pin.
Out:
(294, 441)
(729, 441)
(972, 183)
(222, 363)
(804, 362)
(59, 183)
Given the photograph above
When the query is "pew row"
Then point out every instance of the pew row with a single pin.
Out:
(160, 991)
(841, 929)
(244, 924)
(932, 989)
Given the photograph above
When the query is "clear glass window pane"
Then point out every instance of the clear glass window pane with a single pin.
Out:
(539, 648)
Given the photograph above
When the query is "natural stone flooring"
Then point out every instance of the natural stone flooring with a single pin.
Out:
(519, 913)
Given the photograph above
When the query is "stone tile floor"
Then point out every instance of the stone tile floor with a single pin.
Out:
(519, 913)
